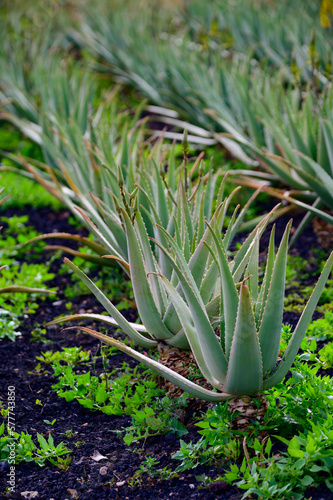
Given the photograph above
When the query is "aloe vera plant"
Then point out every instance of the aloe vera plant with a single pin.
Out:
(204, 291)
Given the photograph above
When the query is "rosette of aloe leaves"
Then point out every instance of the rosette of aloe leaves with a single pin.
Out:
(186, 287)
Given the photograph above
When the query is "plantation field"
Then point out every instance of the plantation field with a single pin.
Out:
(166, 213)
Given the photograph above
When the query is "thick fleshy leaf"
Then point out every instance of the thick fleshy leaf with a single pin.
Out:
(229, 295)
(244, 375)
(150, 266)
(209, 282)
(271, 324)
(106, 242)
(201, 337)
(94, 317)
(199, 260)
(111, 309)
(147, 309)
(260, 305)
(252, 270)
(239, 257)
(301, 327)
(182, 262)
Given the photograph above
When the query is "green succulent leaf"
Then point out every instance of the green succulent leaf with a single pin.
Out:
(121, 321)
(244, 375)
(147, 309)
(201, 337)
(271, 324)
(294, 344)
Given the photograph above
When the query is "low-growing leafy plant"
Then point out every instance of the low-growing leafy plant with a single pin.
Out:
(27, 451)
(322, 328)
(69, 355)
(149, 468)
(192, 455)
(130, 393)
(116, 396)
(307, 462)
(326, 356)
(38, 334)
(162, 416)
(18, 283)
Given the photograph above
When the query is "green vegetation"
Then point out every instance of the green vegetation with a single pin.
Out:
(18, 282)
(27, 451)
(84, 96)
(26, 192)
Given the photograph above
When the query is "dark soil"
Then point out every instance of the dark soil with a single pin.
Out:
(86, 478)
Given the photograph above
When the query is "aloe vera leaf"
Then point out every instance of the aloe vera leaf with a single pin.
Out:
(179, 340)
(182, 262)
(182, 382)
(96, 247)
(209, 193)
(122, 322)
(245, 246)
(160, 298)
(161, 199)
(153, 219)
(200, 223)
(209, 281)
(240, 218)
(244, 375)
(319, 180)
(301, 327)
(260, 305)
(327, 132)
(95, 317)
(271, 324)
(199, 260)
(227, 236)
(201, 337)
(229, 295)
(147, 308)
(109, 247)
(112, 222)
(252, 270)
(213, 309)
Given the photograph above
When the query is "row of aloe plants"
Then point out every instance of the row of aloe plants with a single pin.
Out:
(231, 97)
(288, 132)
(167, 231)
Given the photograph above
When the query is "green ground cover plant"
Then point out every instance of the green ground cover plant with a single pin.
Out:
(121, 391)
(27, 451)
(19, 283)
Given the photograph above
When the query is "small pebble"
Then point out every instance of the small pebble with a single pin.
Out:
(103, 471)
